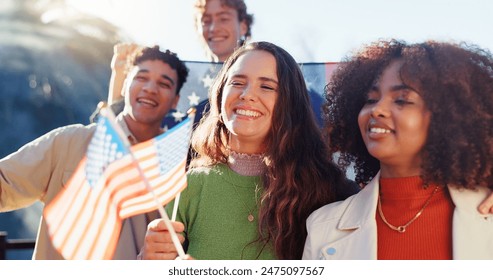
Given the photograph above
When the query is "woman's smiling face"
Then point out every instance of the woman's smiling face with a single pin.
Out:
(248, 99)
(394, 123)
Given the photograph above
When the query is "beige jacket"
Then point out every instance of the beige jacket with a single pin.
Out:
(347, 229)
(41, 168)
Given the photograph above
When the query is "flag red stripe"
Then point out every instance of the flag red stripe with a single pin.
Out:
(75, 194)
(149, 204)
(84, 219)
(102, 211)
(57, 214)
(66, 192)
(143, 145)
(162, 189)
(113, 240)
(79, 221)
(329, 70)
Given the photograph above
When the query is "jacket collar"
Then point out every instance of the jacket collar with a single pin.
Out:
(362, 208)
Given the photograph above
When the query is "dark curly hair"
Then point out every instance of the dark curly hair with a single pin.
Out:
(238, 5)
(300, 176)
(455, 81)
(142, 54)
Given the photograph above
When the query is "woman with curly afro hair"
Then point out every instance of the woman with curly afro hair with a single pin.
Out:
(416, 120)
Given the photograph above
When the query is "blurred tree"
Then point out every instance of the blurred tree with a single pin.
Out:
(54, 69)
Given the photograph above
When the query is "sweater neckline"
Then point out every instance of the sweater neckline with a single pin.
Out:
(405, 188)
(246, 164)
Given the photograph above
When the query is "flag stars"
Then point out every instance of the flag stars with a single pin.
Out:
(207, 80)
(194, 99)
(113, 153)
(178, 116)
(109, 151)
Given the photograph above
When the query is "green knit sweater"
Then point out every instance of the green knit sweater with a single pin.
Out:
(214, 209)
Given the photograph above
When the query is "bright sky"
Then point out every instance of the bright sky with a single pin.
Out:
(311, 30)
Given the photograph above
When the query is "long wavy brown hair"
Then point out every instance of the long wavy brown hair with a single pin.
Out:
(455, 81)
(300, 176)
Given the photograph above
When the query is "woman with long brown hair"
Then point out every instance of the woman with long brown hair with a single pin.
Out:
(262, 165)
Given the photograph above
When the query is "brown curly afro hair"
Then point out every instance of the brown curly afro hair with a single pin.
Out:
(455, 81)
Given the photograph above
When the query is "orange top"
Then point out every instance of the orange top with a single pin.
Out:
(429, 236)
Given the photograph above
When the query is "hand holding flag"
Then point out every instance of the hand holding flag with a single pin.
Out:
(113, 182)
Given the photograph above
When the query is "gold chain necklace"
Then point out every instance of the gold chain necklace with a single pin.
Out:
(402, 229)
(250, 216)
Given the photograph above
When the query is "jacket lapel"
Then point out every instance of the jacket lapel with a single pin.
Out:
(359, 222)
(472, 233)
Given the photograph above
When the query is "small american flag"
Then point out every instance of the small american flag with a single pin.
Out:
(114, 182)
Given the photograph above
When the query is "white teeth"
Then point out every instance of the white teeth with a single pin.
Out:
(247, 113)
(216, 39)
(379, 130)
(147, 101)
